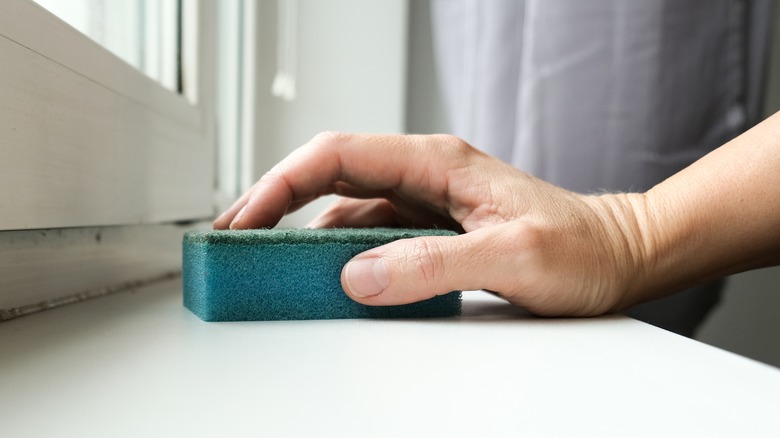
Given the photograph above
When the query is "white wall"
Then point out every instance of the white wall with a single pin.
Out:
(748, 320)
(351, 77)
(425, 111)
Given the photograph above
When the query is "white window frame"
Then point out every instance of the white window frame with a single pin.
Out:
(236, 79)
(88, 140)
(97, 161)
(78, 222)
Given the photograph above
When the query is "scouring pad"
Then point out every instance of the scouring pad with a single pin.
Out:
(286, 274)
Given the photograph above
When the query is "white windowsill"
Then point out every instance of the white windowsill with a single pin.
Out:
(139, 364)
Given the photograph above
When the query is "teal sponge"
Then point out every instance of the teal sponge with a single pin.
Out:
(285, 274)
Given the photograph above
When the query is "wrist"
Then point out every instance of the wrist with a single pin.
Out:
(628, 226)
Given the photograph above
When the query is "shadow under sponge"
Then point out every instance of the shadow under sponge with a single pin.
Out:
(289, 274)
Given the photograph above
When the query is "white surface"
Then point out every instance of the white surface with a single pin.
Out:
(139, 364)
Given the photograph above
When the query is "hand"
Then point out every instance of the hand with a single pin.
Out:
(540, 247)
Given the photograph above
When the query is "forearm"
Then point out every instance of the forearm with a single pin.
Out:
(717, 217)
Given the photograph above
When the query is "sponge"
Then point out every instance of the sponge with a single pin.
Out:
(289, 274)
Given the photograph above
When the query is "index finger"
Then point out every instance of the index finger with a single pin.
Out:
(412, 166)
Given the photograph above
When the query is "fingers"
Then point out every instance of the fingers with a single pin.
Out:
(530, 265)
(362, 213)
(539, 246)
(412, 270)
(356, 213)
(224, 220)
(360, 165)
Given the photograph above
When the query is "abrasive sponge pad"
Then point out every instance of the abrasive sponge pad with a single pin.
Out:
(286, 274)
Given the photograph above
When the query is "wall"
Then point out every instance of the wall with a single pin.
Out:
(351, 77)
(425, 112)
(748, 320)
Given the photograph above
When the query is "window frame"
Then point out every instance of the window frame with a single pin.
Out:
(87, 252)
(90, 140)
(101, 165)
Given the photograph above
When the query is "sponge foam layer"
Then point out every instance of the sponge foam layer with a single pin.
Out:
(289, 274)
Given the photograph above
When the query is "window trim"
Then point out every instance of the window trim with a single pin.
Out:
(90, 140)
(98, 162)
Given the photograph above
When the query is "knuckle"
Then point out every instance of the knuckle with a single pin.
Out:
(426, 257)
(328, 137)
(276, 176)
(453, 145)
(530, 237)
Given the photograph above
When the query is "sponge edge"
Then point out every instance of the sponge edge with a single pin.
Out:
(289, 274)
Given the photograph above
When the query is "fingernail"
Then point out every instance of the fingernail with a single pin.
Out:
(218, 220)
(366, 277)
(238, 217)
(314, 223)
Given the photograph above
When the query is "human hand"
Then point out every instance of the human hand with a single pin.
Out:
(540, 247)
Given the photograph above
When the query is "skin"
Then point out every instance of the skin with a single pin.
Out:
(545, 249)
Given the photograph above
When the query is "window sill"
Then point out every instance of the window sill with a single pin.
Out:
(139, 364)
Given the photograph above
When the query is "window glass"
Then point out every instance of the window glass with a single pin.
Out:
(144, 33)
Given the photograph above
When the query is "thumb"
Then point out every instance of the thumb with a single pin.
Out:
(411, 270)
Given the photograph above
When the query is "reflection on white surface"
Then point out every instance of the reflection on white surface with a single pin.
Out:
(141, 32)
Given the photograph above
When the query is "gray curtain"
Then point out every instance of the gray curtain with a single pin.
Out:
(604, 95)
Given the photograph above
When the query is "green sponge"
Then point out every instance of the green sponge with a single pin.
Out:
(286, 274)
